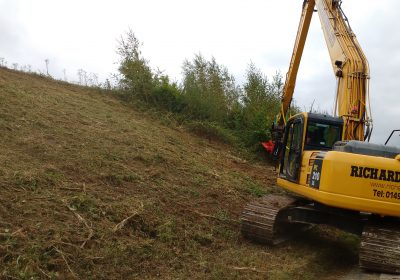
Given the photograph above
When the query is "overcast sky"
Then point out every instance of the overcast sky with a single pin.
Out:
(83, 35)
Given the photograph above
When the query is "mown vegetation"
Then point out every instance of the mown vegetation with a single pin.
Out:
(92, 188)
(208, 99)
(95, 187)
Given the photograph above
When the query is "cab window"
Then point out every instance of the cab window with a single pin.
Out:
(321, 136)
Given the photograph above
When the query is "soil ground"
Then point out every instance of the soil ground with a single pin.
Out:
(91, 188)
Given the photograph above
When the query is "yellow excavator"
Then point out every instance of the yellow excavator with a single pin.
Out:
(332, 173)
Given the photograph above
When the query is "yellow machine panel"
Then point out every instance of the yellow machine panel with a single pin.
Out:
(352, 181)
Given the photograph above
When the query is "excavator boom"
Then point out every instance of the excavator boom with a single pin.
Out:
(349, 64)
(288, 90)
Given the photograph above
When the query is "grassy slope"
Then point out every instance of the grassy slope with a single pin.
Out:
(76, 162)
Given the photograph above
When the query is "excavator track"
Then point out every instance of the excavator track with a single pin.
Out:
(380, 247)
(260, 219)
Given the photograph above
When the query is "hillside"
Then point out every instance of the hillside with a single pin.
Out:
(91, 188)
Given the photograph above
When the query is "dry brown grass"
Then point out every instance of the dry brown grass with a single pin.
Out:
(93, 189)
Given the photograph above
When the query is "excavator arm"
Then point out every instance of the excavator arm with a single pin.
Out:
(288, 89)
(349, 64)
(351, 69)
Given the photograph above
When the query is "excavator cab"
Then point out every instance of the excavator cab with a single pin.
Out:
(307, 132)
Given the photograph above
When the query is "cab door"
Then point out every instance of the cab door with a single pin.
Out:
(293, 143)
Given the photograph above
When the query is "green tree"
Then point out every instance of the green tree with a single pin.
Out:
(261, 102)
(209, 90)
(137, 77)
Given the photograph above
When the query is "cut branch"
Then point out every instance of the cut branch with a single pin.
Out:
(216, 218)
(81, 219)
(249, 269)
(121, 224)
(66, 262)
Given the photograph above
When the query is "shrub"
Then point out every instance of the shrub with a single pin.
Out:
(209, 100)
(167, 95)
(209, 91)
